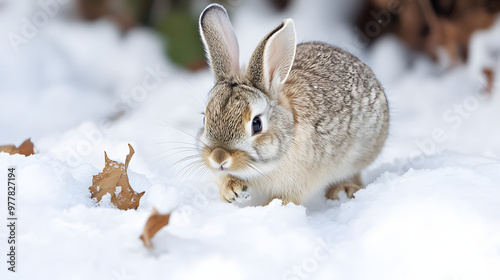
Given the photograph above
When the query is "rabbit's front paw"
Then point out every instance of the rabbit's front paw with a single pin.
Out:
(233, 190)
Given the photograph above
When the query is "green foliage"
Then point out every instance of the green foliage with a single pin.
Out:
(179, 30)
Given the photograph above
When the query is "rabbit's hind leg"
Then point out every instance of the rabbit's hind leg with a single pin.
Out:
(349, 186)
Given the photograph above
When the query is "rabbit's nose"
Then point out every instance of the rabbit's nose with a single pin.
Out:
(220, 159)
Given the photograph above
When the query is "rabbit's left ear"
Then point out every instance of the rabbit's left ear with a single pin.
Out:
(220, 41)
(272, 60)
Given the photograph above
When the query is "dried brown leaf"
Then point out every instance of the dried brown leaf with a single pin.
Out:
(114, 180)
(489, 79)
(26, 148)
(155, 222)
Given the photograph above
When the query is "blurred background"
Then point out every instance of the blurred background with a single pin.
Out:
(81, 76)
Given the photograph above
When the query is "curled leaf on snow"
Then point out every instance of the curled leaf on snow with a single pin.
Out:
(26, 148)
(155, 222)
(114, 180)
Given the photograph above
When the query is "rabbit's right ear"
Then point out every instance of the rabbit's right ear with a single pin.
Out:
(220, 41)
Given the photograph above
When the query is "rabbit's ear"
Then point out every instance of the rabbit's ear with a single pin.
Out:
(220, 41)
(273, 58)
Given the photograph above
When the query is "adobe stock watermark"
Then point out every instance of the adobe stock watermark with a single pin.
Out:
(322, 252)
(94, 135)
(453, 117)
(201, 199)
(122, 275)
(373, 28)
(30, 27)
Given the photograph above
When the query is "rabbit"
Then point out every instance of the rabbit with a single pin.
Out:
(298, 120)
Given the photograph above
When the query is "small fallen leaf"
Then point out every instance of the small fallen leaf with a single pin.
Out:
(155, 222)
(26, 148)
(489, 79)
(114, 180)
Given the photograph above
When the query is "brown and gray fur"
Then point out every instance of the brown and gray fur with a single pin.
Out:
(325, 115)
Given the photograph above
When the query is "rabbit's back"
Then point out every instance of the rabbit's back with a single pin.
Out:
(338, 99)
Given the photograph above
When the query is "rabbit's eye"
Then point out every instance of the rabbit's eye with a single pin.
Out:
(256, 125)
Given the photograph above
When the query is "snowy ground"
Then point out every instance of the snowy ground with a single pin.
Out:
(431, 209)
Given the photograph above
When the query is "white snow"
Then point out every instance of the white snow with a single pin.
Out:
(431, 208)
(118, 191)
